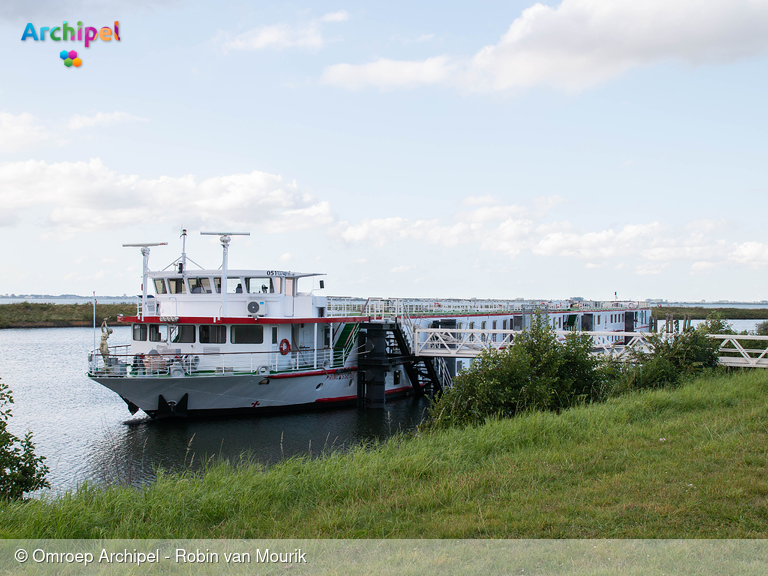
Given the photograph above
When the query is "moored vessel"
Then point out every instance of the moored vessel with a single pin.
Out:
(210, 342)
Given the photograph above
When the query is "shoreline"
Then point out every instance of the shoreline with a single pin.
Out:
(44, 315)
(38, 315)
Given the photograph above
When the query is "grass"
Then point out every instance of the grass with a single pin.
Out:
(41, 315)
(691, 462)
(700, 313)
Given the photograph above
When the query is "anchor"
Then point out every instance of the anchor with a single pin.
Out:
(167, 409)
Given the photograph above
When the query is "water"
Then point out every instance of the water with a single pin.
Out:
(737, 325)
(79, 426)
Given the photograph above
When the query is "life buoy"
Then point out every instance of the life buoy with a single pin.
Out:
(285, 346)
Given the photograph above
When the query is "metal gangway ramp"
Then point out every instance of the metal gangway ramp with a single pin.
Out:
(469, 343)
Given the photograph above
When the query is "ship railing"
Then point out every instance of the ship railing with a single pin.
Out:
(387, 308)
(343, 306)
(746, 351)
(120, 362)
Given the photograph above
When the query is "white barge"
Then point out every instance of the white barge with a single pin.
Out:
(217, 342)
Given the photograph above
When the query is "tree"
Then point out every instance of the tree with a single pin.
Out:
(21, 471)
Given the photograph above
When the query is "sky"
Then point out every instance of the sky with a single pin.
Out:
(432, 149)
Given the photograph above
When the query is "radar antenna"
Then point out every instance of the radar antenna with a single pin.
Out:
(224, 238)
(145, 253)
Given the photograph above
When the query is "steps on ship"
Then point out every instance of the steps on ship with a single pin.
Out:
(384, 345)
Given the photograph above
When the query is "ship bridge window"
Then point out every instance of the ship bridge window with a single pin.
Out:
(234, 285)
(176, 286)
(200, 285)
(158, 332)
(139, 332)
(245, 334)
(160, 286)
(184, 334)
(259, 286)
(290, 284)
(213, 334)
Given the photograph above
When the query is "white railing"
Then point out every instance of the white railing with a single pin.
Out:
(120, 362)
(733, 352)
(341, 306)
(463, 343)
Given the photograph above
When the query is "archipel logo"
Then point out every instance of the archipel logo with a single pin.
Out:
(68, 33)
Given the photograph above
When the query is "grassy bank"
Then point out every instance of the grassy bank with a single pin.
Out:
(682, 463)
(700, 313)
(40, 315)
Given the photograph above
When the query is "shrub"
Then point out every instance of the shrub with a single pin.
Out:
(21, 471)
(536, 372)
(539, 372)
(669, 359)
(762, 328)
(715, 324)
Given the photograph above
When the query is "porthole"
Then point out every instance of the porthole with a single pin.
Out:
(264, 382)
(319, 386)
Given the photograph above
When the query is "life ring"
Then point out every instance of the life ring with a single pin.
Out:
(285, 346)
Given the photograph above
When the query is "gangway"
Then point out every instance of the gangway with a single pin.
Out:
(466, 343)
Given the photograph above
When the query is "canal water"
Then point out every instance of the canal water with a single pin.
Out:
(80, 428)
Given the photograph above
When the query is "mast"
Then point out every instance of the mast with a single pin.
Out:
(145, 271)
(184, 250)
(224, 238)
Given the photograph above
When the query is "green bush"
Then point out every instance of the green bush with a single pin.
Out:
(715, 324)
(670, 359)
(536, 372)
(21, 471)
(762, 329)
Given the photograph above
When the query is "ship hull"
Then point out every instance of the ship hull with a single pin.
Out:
(239, 394)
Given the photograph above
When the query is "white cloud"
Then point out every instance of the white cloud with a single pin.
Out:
(101, 119)
(401, 269)
(20, 131)
(279, 36)
(411, 39)
(581, 43)
(287, 257)
(493, 213)
(338, 16)
(380, 231)
(77, 196)
(597, 245)
(701, 267)
(388, 74)
(479, 200)
(648, 248)
(276, 37)
(650, 269)
(753, 254)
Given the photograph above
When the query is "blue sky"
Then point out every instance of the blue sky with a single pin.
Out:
(485, 149)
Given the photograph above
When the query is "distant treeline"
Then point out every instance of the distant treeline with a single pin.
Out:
(701, 313)
(40, 315)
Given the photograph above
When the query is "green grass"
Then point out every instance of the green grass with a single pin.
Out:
(691, 462)
(700, 313)
(34, 314)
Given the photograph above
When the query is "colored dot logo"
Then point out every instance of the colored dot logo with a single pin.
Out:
(70, 58)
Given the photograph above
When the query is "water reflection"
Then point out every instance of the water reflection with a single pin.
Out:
(79, 425)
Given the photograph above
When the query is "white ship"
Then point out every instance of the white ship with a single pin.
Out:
(211, 342)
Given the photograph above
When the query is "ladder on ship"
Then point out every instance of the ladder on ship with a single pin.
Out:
(383, 346)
